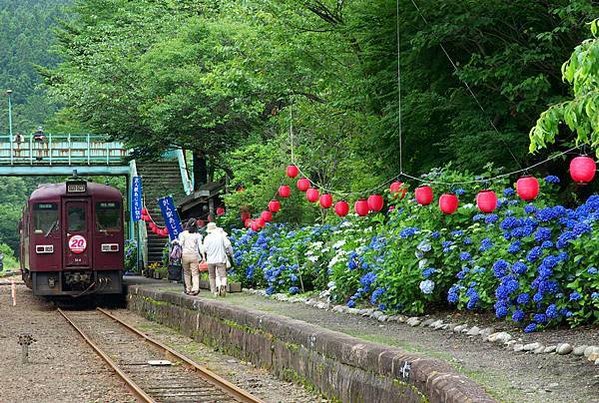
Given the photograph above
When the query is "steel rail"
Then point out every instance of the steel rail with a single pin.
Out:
(135, 389)
(204, 372)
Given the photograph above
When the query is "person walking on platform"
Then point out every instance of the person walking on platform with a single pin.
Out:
(217, 247)
(192, 252)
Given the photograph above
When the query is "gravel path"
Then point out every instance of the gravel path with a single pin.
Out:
(508, 376)
(62, 367)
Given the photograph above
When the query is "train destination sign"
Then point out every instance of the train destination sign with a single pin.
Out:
(77, 187)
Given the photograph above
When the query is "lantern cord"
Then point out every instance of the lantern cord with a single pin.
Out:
(291, 132)
(347, 194)
(505, 175)
(399, 90)
(455, 68)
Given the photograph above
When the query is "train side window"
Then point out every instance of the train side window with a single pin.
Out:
(76, 218)
(108, 216)
(45, 217)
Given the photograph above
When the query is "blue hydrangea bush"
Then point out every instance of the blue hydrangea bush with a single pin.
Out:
(530, 263)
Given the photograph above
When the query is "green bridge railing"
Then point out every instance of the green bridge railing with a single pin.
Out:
(61, 149)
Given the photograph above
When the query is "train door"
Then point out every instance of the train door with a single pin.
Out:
(77, 252)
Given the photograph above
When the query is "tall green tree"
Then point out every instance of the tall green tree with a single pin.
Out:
(218, 77)
(25, 37)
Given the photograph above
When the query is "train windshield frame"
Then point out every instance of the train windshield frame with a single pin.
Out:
(45, 217)
(108, 216)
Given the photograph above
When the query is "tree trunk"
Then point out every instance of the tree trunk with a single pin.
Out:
(200, 169)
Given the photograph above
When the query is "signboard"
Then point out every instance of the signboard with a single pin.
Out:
(76, 187)
(171, 217)
(136, 198)
(77, 244)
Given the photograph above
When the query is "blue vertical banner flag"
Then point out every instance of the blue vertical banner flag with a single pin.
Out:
(136, 198)
(171, 217)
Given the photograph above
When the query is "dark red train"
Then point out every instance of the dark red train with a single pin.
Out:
(72, 239)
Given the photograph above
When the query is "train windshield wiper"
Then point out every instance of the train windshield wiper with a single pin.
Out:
(51, 229)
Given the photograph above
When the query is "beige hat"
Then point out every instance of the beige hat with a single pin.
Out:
(211, 227)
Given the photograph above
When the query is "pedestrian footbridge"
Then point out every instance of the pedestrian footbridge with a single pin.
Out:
(60, 154)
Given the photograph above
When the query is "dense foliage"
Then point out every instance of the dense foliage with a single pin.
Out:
(224, 76)
(533, 263)
(578, 114)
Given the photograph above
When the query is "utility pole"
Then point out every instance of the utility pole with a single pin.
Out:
(10, 139)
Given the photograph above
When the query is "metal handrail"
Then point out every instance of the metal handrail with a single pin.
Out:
(62, 149)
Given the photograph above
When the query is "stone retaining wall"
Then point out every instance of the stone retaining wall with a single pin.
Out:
(339, 366)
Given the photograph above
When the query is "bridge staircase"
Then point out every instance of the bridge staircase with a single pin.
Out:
(160, 178)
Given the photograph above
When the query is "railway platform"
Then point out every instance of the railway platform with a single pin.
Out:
(340, 366)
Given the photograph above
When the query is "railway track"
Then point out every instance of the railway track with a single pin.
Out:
(152, 371)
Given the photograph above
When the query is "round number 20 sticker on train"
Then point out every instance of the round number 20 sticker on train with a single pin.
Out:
(77, 244)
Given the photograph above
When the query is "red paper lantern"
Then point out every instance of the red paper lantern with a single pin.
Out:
(152, 226)
(266, 216)
(312, 195)
(284, 191)
(164, 232)
(144, 211)
(292, 171)
(326, 201)
(527, 188)
(261, 222)
(486, 201)
(341, 208)
(245, 215)
(375, 203)
(397, 189)
(303, 184)
(582, 170)
(424, 195)
(255, 225)
(220, 211)
(274, 206)
(361, 207)
(448, 203)
(247, 222)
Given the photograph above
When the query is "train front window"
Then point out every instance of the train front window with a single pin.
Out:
(45, 217)
(108, 216)
(76, 218)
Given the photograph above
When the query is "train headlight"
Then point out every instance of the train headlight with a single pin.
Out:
(110, 247)
(44, 249)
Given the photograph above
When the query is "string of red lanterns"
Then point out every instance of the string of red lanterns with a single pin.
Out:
(582, 171)
(147, 218)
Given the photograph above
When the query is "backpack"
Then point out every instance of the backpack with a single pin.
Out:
(176, 252)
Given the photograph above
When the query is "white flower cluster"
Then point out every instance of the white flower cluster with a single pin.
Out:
(427, 286)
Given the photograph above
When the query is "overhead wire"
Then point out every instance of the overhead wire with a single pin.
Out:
(399, 89)
(455, 68)
(400, 135)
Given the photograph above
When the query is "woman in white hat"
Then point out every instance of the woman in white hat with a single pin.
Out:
(217, 246)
